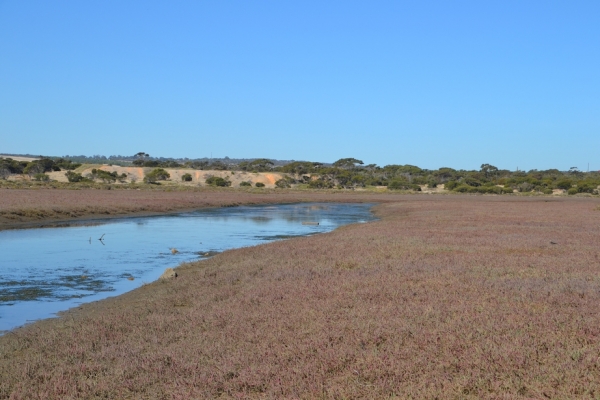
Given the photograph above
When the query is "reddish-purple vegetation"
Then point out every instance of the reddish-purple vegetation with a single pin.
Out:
(445, 296)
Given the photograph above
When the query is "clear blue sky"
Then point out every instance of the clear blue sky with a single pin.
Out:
(429, 83)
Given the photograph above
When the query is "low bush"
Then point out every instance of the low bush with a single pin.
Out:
(107, 177)
(403, 185)
(186, 177)
(245, 184)
(157, 174)
(451, 185)
(463, 188)
(41, 177)
(564, 184)
(34, 168)
(585, 187)
(4, 172)
(259, 184)
(67, 165)
(472, 181)
(491, 189)
(283, 184)
(75, 177)
(547, 191)
(217, 181)
(320, 184)
(572, 191)
(525, 187)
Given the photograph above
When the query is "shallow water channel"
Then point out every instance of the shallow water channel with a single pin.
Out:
(47, 270)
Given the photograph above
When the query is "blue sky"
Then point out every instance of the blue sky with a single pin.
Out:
(428, 83)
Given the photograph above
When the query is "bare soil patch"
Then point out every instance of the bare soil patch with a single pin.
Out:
(444, 297)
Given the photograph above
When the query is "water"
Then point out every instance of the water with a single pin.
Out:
(44, 271)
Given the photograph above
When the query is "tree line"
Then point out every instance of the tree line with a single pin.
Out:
(345, 173)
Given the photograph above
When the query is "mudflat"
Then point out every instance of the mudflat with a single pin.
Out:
(444, 296)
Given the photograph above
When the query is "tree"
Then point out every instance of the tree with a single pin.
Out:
(488, 170)
(300, 167)
(140, 159)
(347, 163)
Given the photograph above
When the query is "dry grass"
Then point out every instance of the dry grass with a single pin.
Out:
(444, 297)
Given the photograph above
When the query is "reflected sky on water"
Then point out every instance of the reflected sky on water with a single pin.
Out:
(44, 271)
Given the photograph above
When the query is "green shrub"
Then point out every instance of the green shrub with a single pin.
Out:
(75, 177)
(217, 181)
(547, 191)
(107, 177)
(525, 187)
(472, 181)
(401, 184)
(283, 184)
(564, 184)
(585, 187)
(451, 185)
(34, 168)
(432, 184)
(41, 177)
(320, 184)
(572, 191)
(66, 164)
(157, 174)
(186, 177)
(4, 172)
(245, 183)
(491, 189)
(462, 188)
(259, 184)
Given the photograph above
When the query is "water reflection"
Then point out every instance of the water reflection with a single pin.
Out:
(43, 271)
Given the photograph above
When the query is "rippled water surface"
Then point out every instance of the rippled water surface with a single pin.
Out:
(44, 271)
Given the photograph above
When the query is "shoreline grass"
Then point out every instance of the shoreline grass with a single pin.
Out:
(443, 296)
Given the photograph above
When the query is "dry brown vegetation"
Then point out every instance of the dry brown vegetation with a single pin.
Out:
(444, 297)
